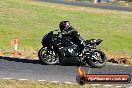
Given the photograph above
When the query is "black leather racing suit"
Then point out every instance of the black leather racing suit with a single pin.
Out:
(75, 36)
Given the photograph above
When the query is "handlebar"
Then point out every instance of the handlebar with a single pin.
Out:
(55, 30)
(58, 32)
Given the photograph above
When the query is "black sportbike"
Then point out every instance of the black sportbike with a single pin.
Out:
(62, 50)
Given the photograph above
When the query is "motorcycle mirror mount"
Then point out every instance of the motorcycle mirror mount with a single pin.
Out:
(56, 30)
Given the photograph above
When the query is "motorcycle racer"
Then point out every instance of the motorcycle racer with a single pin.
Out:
(68, 31)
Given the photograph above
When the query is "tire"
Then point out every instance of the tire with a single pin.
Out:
(81, 80)
(43, 58)
(91, 61)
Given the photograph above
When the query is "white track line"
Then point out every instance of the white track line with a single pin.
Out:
(23, 79)
(120, 64)
(7, 78)
(96, 84)
(35, 58)
(107, 85)
(55, 81)
(118, 86)
(125, 65)
(68, 82)
(22, 57)
(41, 80)
(10, 56)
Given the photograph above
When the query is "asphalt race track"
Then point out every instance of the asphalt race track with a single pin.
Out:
(15, 68)
(87, 4)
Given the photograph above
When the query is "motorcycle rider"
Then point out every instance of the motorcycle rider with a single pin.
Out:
(68, 31)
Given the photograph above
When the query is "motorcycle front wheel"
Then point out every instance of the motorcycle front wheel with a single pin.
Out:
(48, 56)
(97, 59)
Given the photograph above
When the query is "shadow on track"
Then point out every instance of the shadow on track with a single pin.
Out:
(32, 61)
(21, 60)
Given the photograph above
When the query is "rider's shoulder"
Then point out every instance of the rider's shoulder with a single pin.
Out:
(72, 28)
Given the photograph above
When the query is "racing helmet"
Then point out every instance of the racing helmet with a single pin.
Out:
(64, 25)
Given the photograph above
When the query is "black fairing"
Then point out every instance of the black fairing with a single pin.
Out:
(51, 40)
(46, 40)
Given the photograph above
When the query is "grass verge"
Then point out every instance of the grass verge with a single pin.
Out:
(36, 84)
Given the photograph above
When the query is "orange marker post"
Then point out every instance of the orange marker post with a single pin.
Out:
(1, 53)
(15, 42)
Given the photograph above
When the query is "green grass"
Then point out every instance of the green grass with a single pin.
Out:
(29, 21)
(36, 84)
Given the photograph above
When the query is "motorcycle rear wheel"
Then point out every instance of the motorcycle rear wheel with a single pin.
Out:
(97, 59)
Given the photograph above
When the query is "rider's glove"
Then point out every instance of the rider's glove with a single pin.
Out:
(58, 34)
